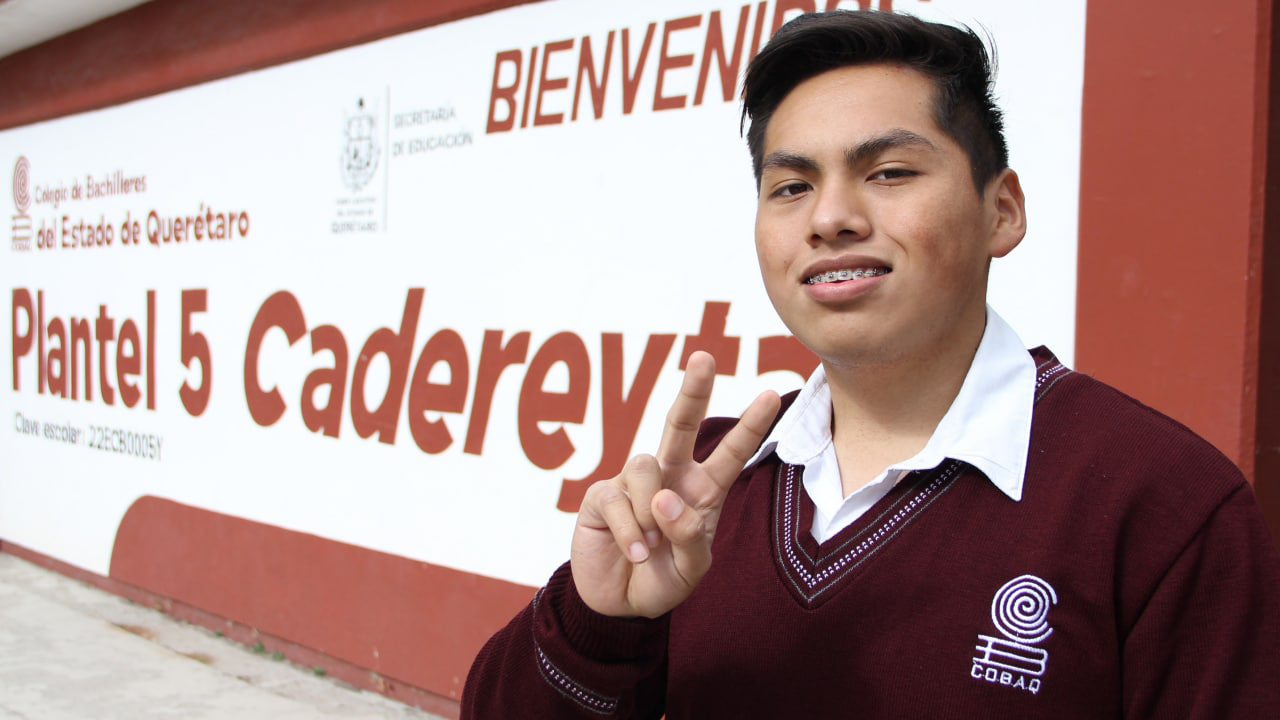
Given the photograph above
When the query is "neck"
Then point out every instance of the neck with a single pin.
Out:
(884, 412)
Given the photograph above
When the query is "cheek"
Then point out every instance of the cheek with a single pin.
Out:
(939, 239)
(773, 271)
(769, 252)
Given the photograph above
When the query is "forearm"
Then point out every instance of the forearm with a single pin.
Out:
(558, 658)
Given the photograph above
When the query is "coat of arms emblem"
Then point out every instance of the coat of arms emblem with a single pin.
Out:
(360, 154)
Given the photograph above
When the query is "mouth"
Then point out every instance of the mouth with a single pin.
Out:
(846, 274)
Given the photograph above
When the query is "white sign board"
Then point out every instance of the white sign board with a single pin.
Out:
(399, 294)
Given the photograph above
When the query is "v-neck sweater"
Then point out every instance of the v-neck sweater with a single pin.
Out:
(988, 425)
(1135, 579)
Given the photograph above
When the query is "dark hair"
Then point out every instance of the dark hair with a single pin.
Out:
(954, 58)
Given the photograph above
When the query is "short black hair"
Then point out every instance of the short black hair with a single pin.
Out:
(955, 58)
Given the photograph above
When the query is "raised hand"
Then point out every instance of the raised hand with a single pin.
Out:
(643, 538)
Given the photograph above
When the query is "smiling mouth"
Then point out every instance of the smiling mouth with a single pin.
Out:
(836, 276)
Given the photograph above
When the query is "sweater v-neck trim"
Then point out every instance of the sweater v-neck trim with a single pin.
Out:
(812, 570)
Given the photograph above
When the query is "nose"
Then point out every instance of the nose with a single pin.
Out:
(838, 214)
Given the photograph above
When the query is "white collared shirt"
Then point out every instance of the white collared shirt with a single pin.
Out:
(988, 426)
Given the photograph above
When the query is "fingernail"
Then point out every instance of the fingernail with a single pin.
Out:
(653, 537)
(670, 506)
(639, 553)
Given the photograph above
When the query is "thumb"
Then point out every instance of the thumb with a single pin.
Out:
(686, 530)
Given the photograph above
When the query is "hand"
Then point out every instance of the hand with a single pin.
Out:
(643, 538)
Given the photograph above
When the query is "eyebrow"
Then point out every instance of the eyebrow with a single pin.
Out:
(894, 139)
(854, 156)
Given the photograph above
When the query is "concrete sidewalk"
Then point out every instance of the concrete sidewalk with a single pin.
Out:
(71, 651)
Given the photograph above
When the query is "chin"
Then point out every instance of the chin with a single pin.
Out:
(846, 354)
(841, 340)
(856, 357)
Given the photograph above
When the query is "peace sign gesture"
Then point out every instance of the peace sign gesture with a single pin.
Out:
(643, 538)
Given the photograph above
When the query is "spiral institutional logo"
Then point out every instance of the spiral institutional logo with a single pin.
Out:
(22, 184)
(1020, 609)
(1020, 612)
(22, 202)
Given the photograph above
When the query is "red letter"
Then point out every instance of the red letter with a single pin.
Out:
(80, 334)
(397, 347)
(711, 338)
(630, 83)
(549, 450)
(40, 335)
(128, 363)
(494, 357)
(151, 350)
(280, 310)
(22, 343)
(586, 66)
(784, 352)
(715, 46)
(785, 6)
(755, 34)
(506, 94)
(553, 84)
(622, 411)
(666, 62)
(528, 88)
(57, 380)
(105, 328)
(432, 436)
(195, 347)
(329, 419)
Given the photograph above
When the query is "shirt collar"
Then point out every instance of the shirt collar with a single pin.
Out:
(988, 424)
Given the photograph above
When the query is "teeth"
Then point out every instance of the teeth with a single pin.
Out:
(842, 275)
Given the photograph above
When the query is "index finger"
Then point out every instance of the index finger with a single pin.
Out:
(688, 411)
(741, 442)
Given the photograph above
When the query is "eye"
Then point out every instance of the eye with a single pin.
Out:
(791, 189)
(893, 174)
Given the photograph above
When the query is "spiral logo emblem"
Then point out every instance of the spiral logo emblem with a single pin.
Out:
(22, 184)
(1020, 609)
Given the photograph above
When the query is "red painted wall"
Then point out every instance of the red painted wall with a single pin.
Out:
(1172, 209)
(407, 623)
(168, 44)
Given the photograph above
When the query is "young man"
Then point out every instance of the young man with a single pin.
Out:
(938, 524)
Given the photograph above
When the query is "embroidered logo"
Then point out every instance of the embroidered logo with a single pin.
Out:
(1020, 612)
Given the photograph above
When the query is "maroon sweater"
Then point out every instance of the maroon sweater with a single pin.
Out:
(1135, 579)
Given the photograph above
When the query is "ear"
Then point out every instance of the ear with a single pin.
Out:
(1009, 213)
